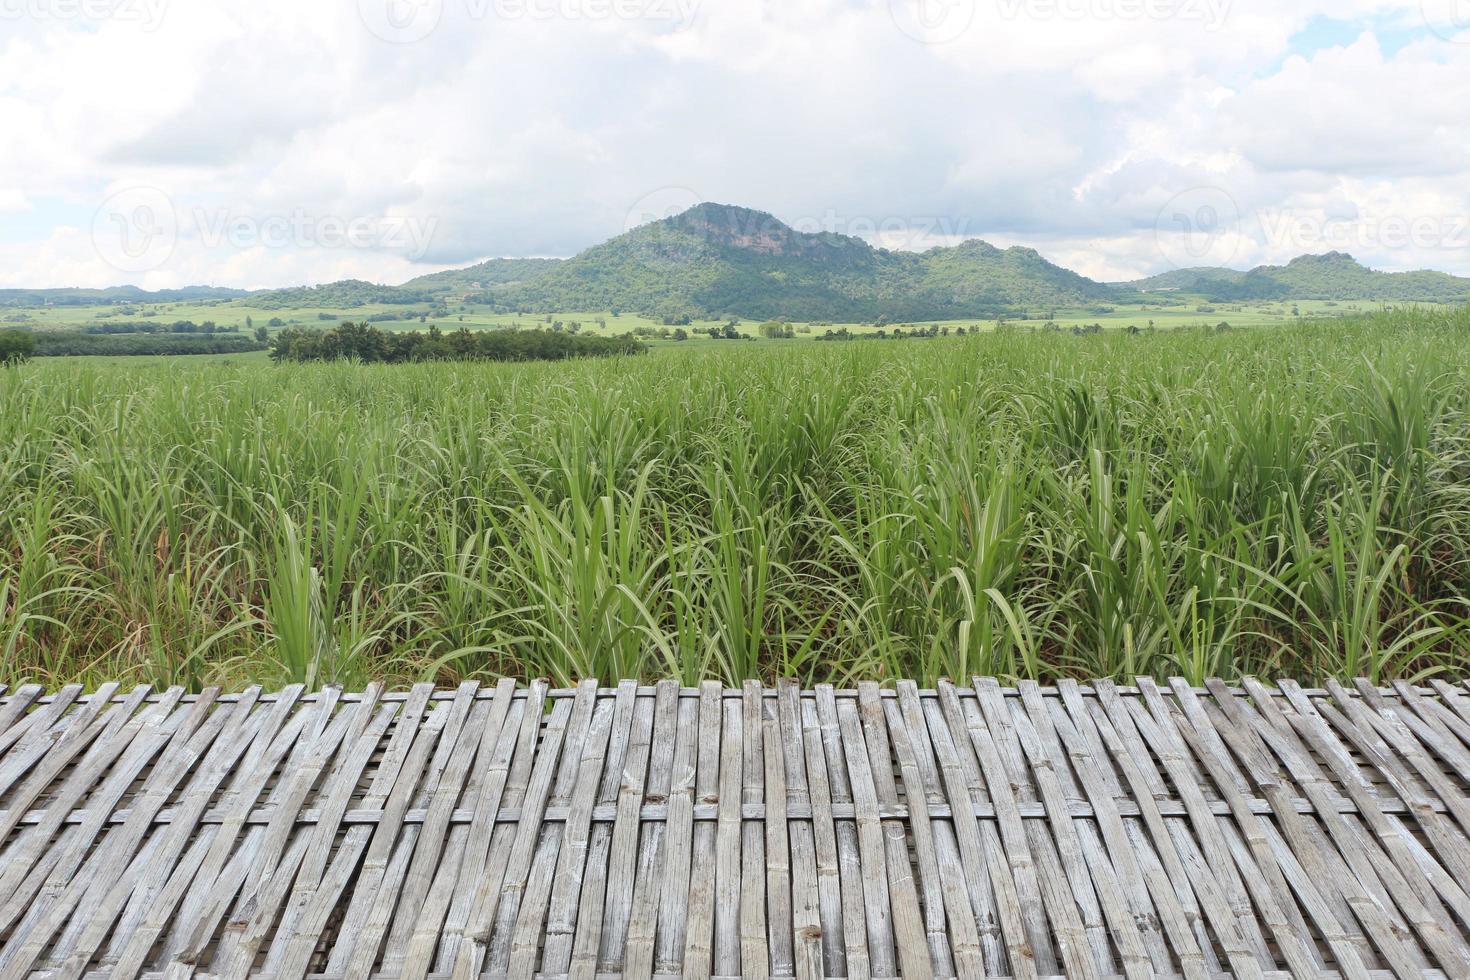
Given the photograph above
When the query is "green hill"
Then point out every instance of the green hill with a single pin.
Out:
(344, 295)
(716, 260)
(1333, 276)
(485, 276)
(116, 294)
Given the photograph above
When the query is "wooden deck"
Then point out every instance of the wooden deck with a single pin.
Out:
(1085, 831)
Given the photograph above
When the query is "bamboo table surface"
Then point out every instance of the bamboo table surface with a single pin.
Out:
(1091, 831)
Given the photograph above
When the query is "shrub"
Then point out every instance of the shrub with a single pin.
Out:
(16, 346)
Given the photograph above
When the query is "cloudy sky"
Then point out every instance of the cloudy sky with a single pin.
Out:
(259, 143)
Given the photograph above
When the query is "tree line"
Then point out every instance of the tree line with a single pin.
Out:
(366, 343)
(72, 343)
(148, 326)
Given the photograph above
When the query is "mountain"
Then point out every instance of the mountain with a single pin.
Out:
(1333, 276)
(482, 277)
(116, 294)
(717, 260)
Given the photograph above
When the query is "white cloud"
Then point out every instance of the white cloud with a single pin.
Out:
(1063, 124)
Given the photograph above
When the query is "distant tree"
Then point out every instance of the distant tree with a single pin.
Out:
(262, 334)
(16, 346)
(366, 343)
(681, 334)
(76, 343)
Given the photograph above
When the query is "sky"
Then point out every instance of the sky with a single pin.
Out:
(264, 143)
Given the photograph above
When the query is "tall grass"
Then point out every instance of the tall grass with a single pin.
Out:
(1290, 501)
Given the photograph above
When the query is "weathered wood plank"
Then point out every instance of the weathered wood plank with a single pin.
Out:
(643, 919)
(582, 952)
(700, 921)
(566, 894)
(727, 845)
(679, 843)
(622, 864)
(755, 958)
(530, 919)
(828, 771)
(954, 937)
(806, 899)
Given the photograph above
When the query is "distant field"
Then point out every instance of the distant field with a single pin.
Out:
(1287, 501)
(1188, 312)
